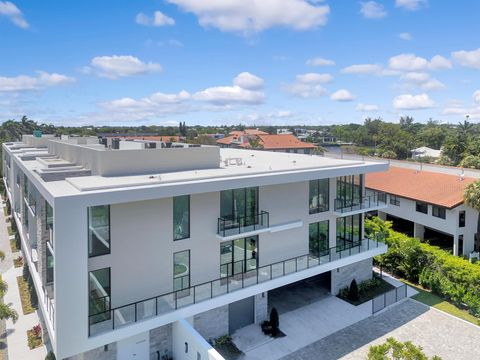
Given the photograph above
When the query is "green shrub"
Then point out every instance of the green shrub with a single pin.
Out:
(396, 350)
(274, 321)
(353, 294)
(50, 356)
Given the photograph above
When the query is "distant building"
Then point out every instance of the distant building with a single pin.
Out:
(425, 152)
(428, 205)
(112, 141)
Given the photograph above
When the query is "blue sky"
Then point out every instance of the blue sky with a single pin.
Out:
(251, 61)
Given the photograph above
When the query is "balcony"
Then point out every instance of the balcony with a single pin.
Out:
(116, 318)
(373, 200)
(229, 226)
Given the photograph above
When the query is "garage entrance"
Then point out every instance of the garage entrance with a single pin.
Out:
(240, 314)
(300, 293)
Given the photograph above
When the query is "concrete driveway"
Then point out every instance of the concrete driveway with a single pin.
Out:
(436, 332)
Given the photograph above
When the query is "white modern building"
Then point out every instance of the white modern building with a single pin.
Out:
(429, 206)
(145, 253)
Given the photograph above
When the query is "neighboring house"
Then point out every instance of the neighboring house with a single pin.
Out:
(281, 143)
(124, 246)
(425, 152)
(429, 206)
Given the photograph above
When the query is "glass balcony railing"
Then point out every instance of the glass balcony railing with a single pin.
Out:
(232, 225)
(366, 202)
(119, 317)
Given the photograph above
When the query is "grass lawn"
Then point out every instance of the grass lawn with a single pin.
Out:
(428, 298)
(365, 296)
(25, 296)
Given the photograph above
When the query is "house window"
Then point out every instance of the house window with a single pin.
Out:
(349, 190)
(181, 217)
(394, 200)
(240, 205)
(422, 207)
(181, 270)
(349, 230)
(318, 239)
(439, 211)
(99, 295)
(98, 230)
(238, 256)
(461, 219)
(382, 197)
(460, 245)
(319, 196)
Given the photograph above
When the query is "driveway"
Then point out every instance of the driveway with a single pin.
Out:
(436, 332)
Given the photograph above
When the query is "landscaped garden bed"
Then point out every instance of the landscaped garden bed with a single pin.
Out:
(23, 287)
(18, 262)
(367, 290)
(225, 346)
(34, 337)
(13, 246)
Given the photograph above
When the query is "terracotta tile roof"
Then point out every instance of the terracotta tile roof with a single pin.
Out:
(248, 132)
(226, 140)
(286, 141)
(431, 187)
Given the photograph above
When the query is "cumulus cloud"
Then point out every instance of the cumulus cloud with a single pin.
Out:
(115, 66)
(248, 81)
(411, 5)
(13, 13)
(342, 95)
(411, 62)
(405, 36)
(372, 10)
(250, 16)
(229, 95)
(318, 61)
(468, 58)
(412, 102)
(423, 81)
(25, 82)
(308, 85)
(158, 19)
(366, 108)
(363, 69)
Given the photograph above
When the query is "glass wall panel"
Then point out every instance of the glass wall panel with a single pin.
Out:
(318, 238)
(350, 189)
(349, 230)
(181, 217)
(50, 264)
(319, 195)
(237, 256)
(181, 270)
(98, 230)
(240, 205)
(99, 294)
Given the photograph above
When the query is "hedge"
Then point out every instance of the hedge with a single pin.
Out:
(447, 275)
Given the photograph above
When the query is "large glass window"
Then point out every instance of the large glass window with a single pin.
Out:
(394, 200)
(421, 207)
(49, 222)
(318, 196)
(98, 230)
(460, 245)
(349, 190)
(240, 205)
(50, 263)
(439, 211)
(181, 217)
(318, 238)
(349, 230)
(99, 294)
(181, 270)
(238, 256)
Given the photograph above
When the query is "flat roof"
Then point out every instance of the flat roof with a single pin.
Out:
(430, 187)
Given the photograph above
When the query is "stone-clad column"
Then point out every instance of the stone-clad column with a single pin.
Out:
(42, 237)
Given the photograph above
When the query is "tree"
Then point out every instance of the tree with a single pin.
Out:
(353, 294)
(396, 350)
(471, 196)
(255, 142)
(7, 312)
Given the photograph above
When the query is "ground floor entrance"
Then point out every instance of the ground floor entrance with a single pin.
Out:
(240, 314)
(300, 293)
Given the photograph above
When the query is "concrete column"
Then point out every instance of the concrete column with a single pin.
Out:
(419, 231)
(161, 342)
(261, 307)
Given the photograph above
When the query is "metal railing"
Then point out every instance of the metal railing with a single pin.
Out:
(125, 315)
(376, 199)
(233, 225)
(389, 298)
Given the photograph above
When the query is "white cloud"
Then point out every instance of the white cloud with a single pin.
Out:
(318, 61)
(372, 10)
(229, 95)
(366, 108)
(158, 19)
(411, 62)
(25, 82)
(405, 36)
(342, 95)
(248, 81)
(423, 81)
(433, 84)
(418, 77)
(363, 69)
(468, 58)
(247, 16)
(476, 97)
(114, 67)
(411, 5)
(412, 102)
(13, 13)
(308, 85)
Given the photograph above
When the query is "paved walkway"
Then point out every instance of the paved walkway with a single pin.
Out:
(436, 332)
(17, 344)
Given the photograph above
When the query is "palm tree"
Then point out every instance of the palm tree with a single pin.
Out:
(471, 196)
